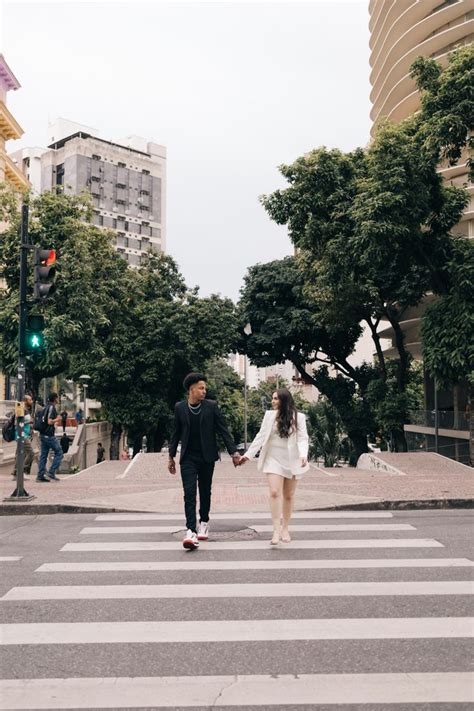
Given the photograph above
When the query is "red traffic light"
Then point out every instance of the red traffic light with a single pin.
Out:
(46, 257)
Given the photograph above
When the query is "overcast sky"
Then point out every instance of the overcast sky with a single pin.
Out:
(232, 89)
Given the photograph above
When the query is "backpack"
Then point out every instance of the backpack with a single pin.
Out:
(40, 423)
(8, 429)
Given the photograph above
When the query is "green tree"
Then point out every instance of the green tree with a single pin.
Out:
(326, 434)
(89, 275)
(373, 229)
(287, 325)
(165, 331)
(446, 133)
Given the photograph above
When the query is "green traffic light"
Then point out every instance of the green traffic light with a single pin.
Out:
(34, 342)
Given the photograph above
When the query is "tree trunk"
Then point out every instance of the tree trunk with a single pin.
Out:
(156, 439)
(471, 427)
(360, 446)
(399, 441)
(115, 441)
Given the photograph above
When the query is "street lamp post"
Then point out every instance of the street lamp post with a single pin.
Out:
(85, 384)
(247, 332)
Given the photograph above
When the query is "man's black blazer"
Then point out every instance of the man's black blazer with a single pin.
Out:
(212, 423)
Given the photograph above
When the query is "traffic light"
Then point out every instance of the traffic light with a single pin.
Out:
(44, 273)
(34, 338)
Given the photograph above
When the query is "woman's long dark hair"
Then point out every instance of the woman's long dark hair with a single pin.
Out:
(286, 416)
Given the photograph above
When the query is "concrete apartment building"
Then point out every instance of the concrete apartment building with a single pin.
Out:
(126, 181)
(10, 174)
(400, 31)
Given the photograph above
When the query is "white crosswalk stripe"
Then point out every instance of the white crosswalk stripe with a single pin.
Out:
(122, 566)
(130, 592)
(235, 630)
(10, 558)
(258, 545)
(371, 527)
(237, 691)
(326, 583)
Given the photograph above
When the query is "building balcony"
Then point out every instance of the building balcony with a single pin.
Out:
(13, 174)
(10, 129)
(456, 420)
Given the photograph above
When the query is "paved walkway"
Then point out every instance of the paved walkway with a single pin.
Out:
(144, 484)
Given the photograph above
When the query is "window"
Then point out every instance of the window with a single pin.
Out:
(97, 219)
(96, 178)
(121, 165)
(122, 186)
(144, 192)
(121, 240)
(145, 208)
(120, 218)
(96, 157)
(145, 172)
(60, 174)
(119, 201)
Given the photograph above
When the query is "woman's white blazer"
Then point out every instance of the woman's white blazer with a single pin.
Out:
(298, 443)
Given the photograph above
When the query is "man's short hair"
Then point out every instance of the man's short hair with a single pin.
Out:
(99, 444)
(53, 396)
(192, 379)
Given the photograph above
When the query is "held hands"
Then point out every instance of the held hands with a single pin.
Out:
(243, 460)
(304, 461)
(236, 459)
(171, 466)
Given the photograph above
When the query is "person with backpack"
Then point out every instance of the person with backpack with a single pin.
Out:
(48, 440)
(29, 455)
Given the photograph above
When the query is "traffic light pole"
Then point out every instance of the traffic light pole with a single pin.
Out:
(20, 494)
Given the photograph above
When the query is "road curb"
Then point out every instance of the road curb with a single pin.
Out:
(15, 509)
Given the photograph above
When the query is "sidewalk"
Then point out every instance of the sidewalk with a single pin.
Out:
(144, 484)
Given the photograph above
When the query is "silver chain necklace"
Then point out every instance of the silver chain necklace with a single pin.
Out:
(195, 409)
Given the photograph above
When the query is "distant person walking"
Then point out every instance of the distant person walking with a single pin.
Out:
(48, 441)
(79, 417)
(196, 423)
(29, 455)
(124, 454)
(64, 442)
(283, 445)
(100, 453)
(64, 419)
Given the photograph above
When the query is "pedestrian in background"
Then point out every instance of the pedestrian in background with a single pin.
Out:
(197, 421)
(64, 419)
(100, 453)
(64, 442)
(29, 455)
(48, 441)
(79, 417)
(283, 445)
(124, 454)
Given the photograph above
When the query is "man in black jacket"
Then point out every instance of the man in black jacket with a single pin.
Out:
(196, 423)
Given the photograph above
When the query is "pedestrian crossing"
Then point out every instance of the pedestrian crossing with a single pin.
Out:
(353, 611)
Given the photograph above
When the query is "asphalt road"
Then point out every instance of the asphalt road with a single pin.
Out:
(375, 612)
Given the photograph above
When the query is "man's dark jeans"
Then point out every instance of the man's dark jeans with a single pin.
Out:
(48, 443)
(196, 472)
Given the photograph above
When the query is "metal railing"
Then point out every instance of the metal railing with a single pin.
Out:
(447, 419)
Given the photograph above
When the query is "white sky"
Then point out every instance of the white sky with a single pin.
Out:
(232, 89)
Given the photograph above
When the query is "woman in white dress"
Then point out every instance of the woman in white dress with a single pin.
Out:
(283, 445)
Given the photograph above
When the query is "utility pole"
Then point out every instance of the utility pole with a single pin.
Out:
(20, 494)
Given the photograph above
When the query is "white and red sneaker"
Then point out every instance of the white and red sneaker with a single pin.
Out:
(203, 531)
(190, 541)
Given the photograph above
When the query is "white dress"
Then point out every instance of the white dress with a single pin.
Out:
(277, 459)
(280, 455)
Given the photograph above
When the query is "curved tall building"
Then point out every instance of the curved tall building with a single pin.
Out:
(401, 31)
